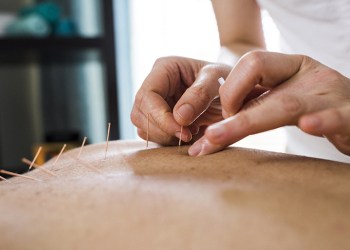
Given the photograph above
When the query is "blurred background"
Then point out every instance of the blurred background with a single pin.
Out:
(69, 67)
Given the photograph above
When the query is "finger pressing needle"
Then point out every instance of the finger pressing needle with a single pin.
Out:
(180, 135)
(107, 140)
(18, 175)
(28, 162)
(36, 156)
(81, 148)
(59, 155)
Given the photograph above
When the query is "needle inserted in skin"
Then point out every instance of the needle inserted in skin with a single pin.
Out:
(59, 155)
(28, 162)
(180, 135)
(36, 156)
(107, 140)
(82, 145)
(18, 175)
(4, 179)
(90, 166)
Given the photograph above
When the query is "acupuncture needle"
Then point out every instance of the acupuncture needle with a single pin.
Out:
(2, 171)
(107, 140)
(180, 139)
(36, 156)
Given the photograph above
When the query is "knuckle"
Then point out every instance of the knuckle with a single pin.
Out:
(212, 69)
(254, 60)
(334, 77)
(243, 121)
(162, 60)
(215, 69)
(166, 62)
(135, 118)
(201, 94)
(336, 115)
(139, 98)
(321, 72)
(307, 60)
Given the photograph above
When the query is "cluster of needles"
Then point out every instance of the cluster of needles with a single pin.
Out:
(32, 163)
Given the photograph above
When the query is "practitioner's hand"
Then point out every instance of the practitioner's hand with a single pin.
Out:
(178, 92)
(302, 92)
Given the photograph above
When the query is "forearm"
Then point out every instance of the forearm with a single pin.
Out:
(231, 53)
(240, 28)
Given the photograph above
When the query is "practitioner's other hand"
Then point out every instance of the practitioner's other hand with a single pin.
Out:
(178, 92)
(298, 91)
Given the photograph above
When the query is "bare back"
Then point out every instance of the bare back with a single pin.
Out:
(160, 198)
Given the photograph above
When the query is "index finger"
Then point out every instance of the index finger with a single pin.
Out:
(275, 110)
(267, 69)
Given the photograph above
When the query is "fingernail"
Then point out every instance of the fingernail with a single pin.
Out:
(186, 112)
(195, 149)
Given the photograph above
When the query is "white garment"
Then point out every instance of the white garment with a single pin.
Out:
(321, 30)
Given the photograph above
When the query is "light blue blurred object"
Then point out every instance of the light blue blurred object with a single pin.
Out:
(65, 28)
(32, 25)
(51, 12)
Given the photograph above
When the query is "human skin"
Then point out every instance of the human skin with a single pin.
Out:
(159, 198)
(299, 91)
(172, 83)
(263, 91)
(296, 90)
